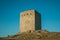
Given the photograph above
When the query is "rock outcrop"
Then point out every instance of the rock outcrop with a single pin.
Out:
(36, 35)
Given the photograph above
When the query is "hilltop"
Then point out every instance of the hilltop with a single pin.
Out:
(35, 35)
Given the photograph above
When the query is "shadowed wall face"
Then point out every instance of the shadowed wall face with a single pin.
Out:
(37, 21)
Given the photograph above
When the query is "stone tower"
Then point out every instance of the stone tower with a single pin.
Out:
(30, 20)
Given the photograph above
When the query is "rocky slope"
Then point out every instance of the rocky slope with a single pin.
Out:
(36, 35)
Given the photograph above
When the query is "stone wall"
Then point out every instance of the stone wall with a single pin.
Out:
(29, 20)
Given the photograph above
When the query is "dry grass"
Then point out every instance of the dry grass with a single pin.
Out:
(36, 35)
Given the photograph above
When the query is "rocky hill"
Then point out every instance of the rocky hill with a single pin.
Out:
(35, 35)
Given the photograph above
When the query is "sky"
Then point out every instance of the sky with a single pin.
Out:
(10, 14)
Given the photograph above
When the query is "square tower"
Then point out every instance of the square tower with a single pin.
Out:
(30, 20)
